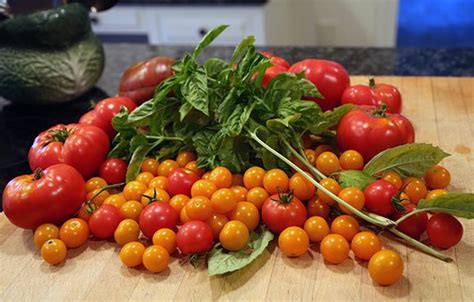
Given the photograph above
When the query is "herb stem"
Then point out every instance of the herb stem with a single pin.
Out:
(409, 214)
(302, 158)
(169, 138)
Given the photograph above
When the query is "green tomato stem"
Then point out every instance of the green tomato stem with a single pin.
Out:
(319, 175)
(409, 214)
(91, 201)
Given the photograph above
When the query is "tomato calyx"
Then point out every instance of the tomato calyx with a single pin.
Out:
(151, 198)
(380, 111)
(284, 198)
(38, 174)
(372, 83)
(59, 135)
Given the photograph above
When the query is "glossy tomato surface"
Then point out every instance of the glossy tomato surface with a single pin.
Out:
(180, 181)
(279, 212)
(194, 237)
(157, 215)
(113, 170)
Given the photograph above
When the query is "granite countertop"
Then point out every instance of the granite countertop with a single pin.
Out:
(192, 2)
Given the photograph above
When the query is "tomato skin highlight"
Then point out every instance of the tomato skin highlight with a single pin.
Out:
(278, 216)
(180, 181)
(378, 197)
(104, 221)
(444, 230)
(194, 237)
(155, 216)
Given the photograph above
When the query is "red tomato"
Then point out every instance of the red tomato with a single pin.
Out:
(330, 78)
(180, 181)
(281, 211)
(444, 230)
(272, 72)
(49, 196)
(157, 215)
(194, 237)
(378, 197)
(414, 226)
(370, 131)
(104, 111)
(104, 221)
(113, 170)
(374, 95)
(80, 146)
(276, 60)
(139, 81)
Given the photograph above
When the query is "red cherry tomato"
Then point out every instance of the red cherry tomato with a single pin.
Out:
(272, 72)
(194, 237)
(281, 211)
(113, 170)
(378, 197)
(414, 226)
(330, 78)
(180, 181)
(444, 230)
(157, 215)
(104, 221)
(276, 60)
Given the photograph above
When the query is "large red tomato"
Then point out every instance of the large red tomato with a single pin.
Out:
(276, 60)
(49, 196)
(329, 77)
(104, 111)
(155, 216)
(370, 131)
(139, 81)
(280, 211)
(374, 95)
(82, 146)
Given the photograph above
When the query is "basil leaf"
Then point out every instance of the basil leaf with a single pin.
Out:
(457, 204)
(242, 48)
(138, 156)
(407, 160)
(195, 92)
(355, 178)
(214, 66)
(220, 262)
(141, 112)
(334, 116)
(207, 40)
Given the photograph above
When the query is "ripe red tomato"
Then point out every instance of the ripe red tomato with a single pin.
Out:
(139, 81)
(80, 146)
(272, 72)
(49, 196)
(414, 226)
(157, 215)
(194, 237)
(281, 211)
(104, 221)
(113, 170)
(370, 131)
(330, 78)
(276, 60)
(374, 95)
(378, 197)
(104, 111)
(180, 181)
(444, 230)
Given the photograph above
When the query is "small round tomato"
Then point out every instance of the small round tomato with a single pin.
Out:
(145, 178)
(45, 232)
(192, 165)
(316, 207)
(113, 170)
(149, 165)
(116, 200)
(178, 202)
(223, 201)
(352, 196)
(234, 236)
(221, 177)
(203, 188)
(435, 193)
(217, 222)
(415, 189)
(127, 231)
(346, 226)
(181, 180)
(155, 258)
(183, 216)
(351, 160)
(444, 230)
(166, 238)
(365, 245)
(95, 183)
(404, 199)
(257, 196)
(104, 221)
(320, 149)
(53, 251)
(154, 194)
(253, 177)
(131, 209)
(247, 213)
(276, 181)
(293, 241)
(98, 199)
(334, 248)
(311, 156)
(333, 186)
(185, 157)
(237, 180)
(166, 166)
(328, 163)
(85, 212)
(302, 188)
(281, 211)
(240, 193)
(206, 175)
(385, 267)
(134, 190)
(414, 226)
(393, 178)
(131, 254)
(438, 177)
(194, 237)
(159, 182)
(199, 208)
(379, 197)
(74, 232)
(317, 228)
(155, 216)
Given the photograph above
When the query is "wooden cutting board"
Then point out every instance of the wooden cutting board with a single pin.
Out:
(442, 110)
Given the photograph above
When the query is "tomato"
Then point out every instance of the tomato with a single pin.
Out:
(155, 216)
(415, 189)
(374, 95)
(276, 60)
(352, 196)
(45, 232)
(379, 197)
(311, 156)
(104, 111)
(185, 157)
(159, 182)
(435, 193)
(217, 222)
(234, 236)
(54, 251)
(166, 238)
(221, 177)
(131, 254)
(257, 196)
(134, 190)
(317, 228)
(98, 198)
(223, 201)
(385, 267)
(253, 177)
(165, 167)
(328, 163)
(145, 178)
(194, 237)
(139, 81)
(180, 181)
(149, 165)
(131, 209)
(330, 184)
(127, 231)
(104, 221)
(365, 245)
(237, 180)
(276, 181)
(192, 165)
(393, 178)
(370, 131)
(293, 241)
(247, 213)
(203, 188)
(272, 72)
(281, 211)
(346, 226)
(302, 188)
(334, 248)
(178, 202)
(155, 259)
(74, 232)
(438, 177)
(351, 160)
(85, 212)
(320, 149)
(316, 207)
(116, 200)
(444, 230)
(414, 226)
(113, 170)
(240, 193)
(49, 196)
(199, 208)
(95, 183)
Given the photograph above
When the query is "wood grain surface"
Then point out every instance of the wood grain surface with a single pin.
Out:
(442, 110)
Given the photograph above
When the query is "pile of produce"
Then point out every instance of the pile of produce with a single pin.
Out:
(219, 157)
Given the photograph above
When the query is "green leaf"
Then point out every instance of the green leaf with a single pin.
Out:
(138, 156)
(242, 48)
(406, 160)
(221, 262)
(355, 178)
(195, 92)
(214, 66)
(457, 204)
(141, 112)
(207, 40)
(334, 116)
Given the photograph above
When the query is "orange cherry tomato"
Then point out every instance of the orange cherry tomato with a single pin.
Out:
(438, 177)
(293, 241)
(317, 228)
(45, 232)
(85, 212)
(333, 186)
(257, 196)
(415, 189)
(115, 200)
(318, 208)
(95, 183)
(311, 156)
(302, 188)
(223, 201)
(99, 199)
(435, 193)
(346, 226)
(159, 182)
(178, 202)
(365, 245)
(145, 178)
(217, 222)
(276, 181)
(185, 157)
(385, 267)
(199, 208)
(240, 193)
(131, 209)
(149, 165)
(237, 180)
(393, 178)
(192, 165)
(54, 251)
(247, 213)
(334, 248)
(127, 231)
(203, 188)
(134, 190)
(131, 254)
(351, 160)
(234, 236)
(328, 163)
(154, 194)
(74, 232)
(166, 238)
(221, 177)
(165, 168)
(156, 259)
(183, 216)
(253, 177)
(352, 196)
(320, 149)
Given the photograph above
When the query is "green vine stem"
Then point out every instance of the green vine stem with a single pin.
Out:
(91, 200)
(414, 212)
(169, 138)
(318, 174)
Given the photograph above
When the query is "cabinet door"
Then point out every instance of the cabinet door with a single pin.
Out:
(120, 20)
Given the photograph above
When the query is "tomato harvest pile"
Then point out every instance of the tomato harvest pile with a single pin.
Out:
(210, 161)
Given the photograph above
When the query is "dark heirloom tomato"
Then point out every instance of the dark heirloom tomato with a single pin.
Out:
(276, 60)
(49, 196)
(370, 131)
(81, 146)
(139, 81)
(280, 211)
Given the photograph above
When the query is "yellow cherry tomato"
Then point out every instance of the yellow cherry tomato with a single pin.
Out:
(185, 157)
(317, 228)
(149, 165)
(159, 182)
(115, 200)
(74, 232)
(240, 193)
(45, 232)
(385, 267)
(154, 194)
(203, 188)
(165, 168)
(145, 178)
(156, 259)
(127, 231)
(365, 245)
(334, 248)
(221, 177)
(247, 213)
(178, 202)
(131, 209)
(99, 198)
(54, 251)
(257, 196)
(95, 183)
(293, 241)
(217, 222)
(131, 254)
(234, 236)
(253, 177)
(276, 181)
(134, 190)
(166, 238)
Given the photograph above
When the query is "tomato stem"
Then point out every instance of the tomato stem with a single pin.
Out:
(91, 200)
(380, 111)
(302, 158)
(60, 135)
(372, 83)
(416, 211)
(38, 174)
(170, 138)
